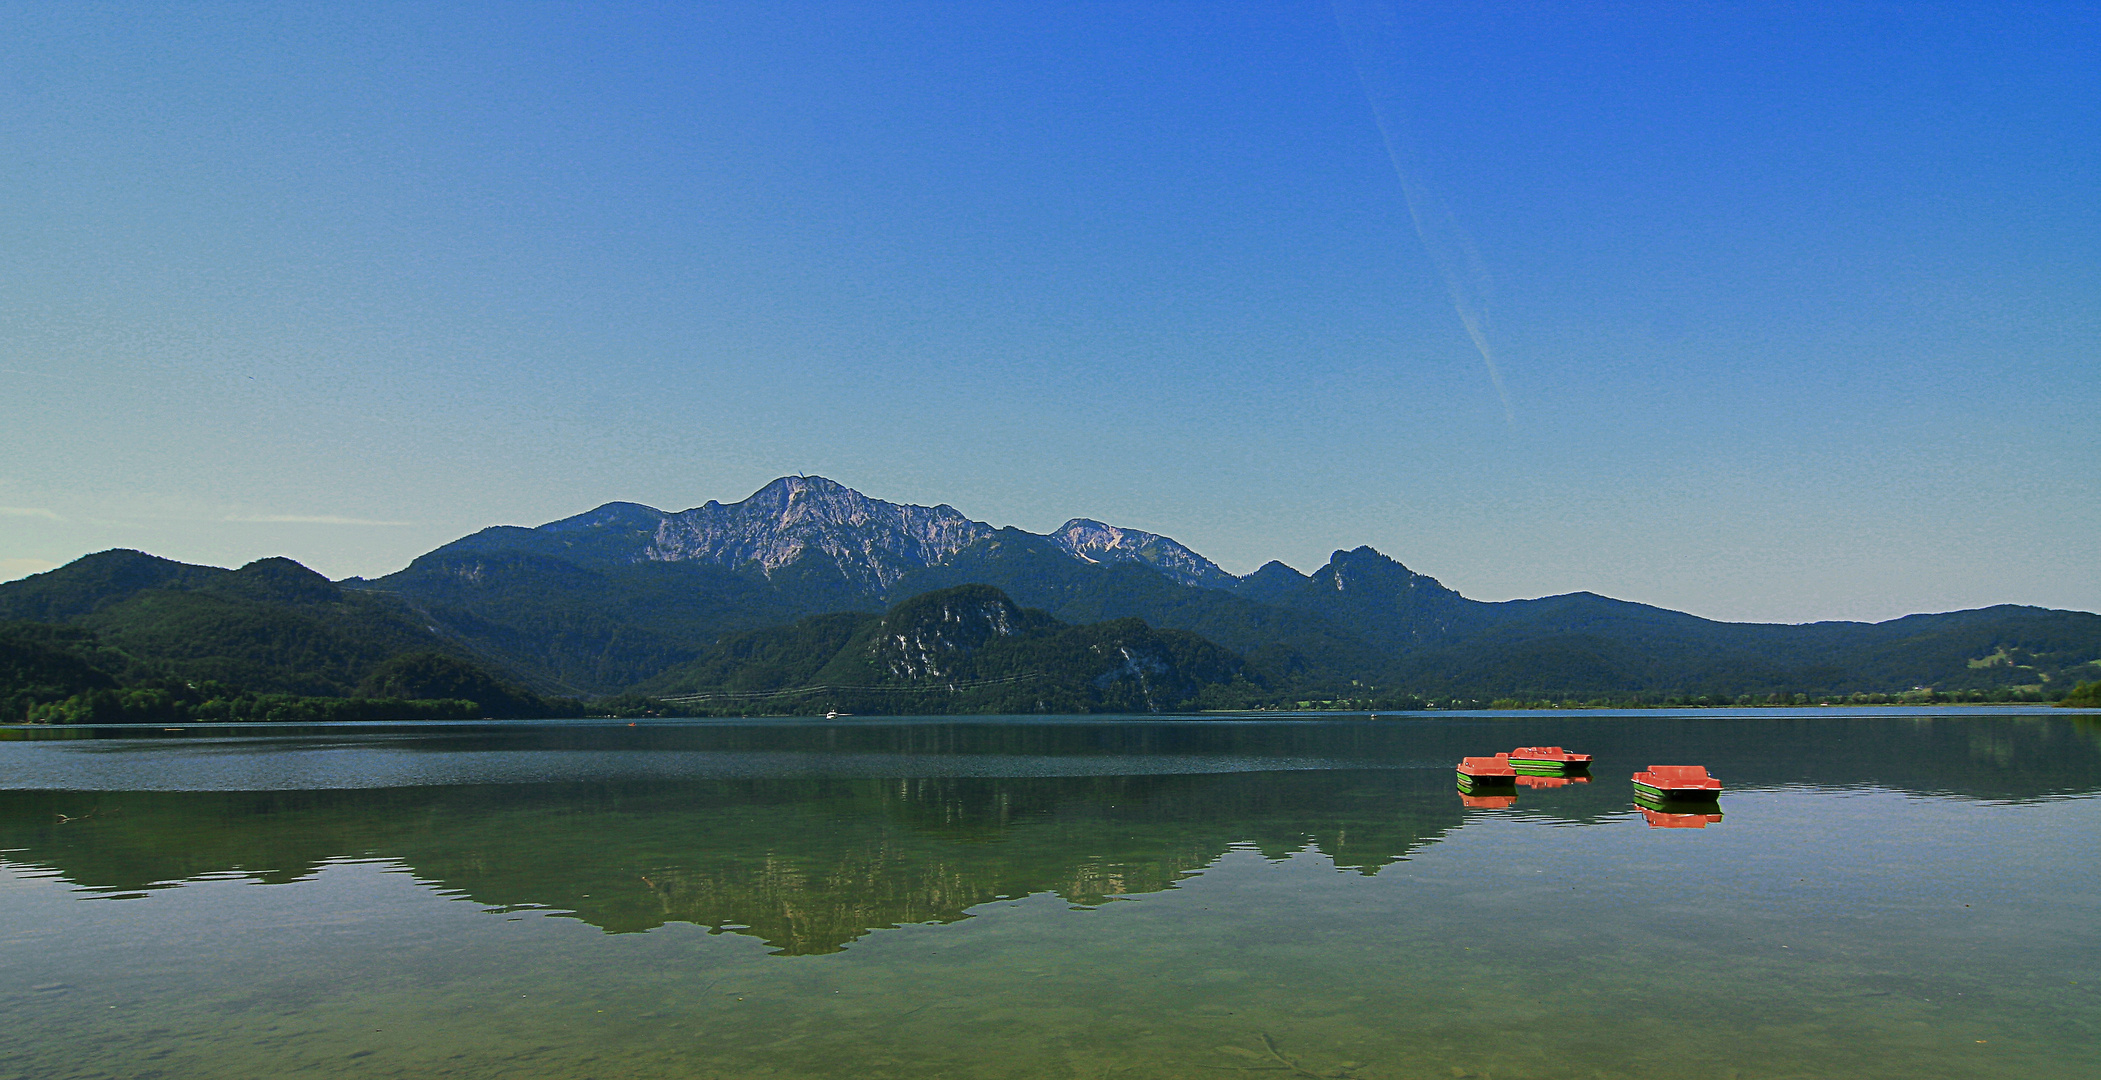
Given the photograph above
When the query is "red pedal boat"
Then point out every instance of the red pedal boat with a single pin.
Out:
(1481, 772)
(1547, 760)
(1682, 782)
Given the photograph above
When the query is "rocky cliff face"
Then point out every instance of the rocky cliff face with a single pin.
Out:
(1094, 542)
(869, 539)
(806, 522)
(817, 526)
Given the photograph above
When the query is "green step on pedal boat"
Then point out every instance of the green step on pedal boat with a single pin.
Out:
(1547, 761)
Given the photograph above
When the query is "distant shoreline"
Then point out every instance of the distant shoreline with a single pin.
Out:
(1801, 712)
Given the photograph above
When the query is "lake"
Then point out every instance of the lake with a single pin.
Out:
(1890, 893)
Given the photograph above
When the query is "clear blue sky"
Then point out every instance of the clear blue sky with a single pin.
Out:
(1797, 312)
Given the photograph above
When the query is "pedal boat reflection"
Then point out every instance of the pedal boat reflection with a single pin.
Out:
(1678, 813)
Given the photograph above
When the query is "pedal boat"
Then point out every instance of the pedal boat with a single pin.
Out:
(1547, 761)
(1677, 783)
(1486, 772)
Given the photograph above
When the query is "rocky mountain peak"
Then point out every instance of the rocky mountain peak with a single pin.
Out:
(871, 541)
(1081, 536)
(1365, 569)
(859, 547)
(793, 497)
(1091, 541)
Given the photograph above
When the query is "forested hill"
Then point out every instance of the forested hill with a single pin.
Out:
(965, 649)
(272, 625)
(122, 636)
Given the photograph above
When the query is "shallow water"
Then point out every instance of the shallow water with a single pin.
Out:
(1909, 894)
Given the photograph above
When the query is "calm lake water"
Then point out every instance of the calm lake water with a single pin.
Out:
(1895, 894)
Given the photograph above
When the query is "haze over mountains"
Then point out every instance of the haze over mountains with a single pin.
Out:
(627, 597)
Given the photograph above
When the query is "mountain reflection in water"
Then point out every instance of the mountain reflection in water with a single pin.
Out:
(871, 825)
(806, 865)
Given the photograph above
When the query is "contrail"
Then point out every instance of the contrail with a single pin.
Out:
(1448, 245)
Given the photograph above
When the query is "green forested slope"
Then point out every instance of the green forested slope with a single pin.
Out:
(579, 629)
(1287, 646)
(272, 625)
(40, 663)
(970, 648)
(124, 636)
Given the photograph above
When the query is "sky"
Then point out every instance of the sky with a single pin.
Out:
(1763, 311)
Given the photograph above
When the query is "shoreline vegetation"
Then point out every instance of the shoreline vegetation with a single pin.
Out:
(639, 708)
(176, 703)
(218, 704)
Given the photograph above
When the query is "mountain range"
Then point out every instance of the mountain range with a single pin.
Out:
(627, 598)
